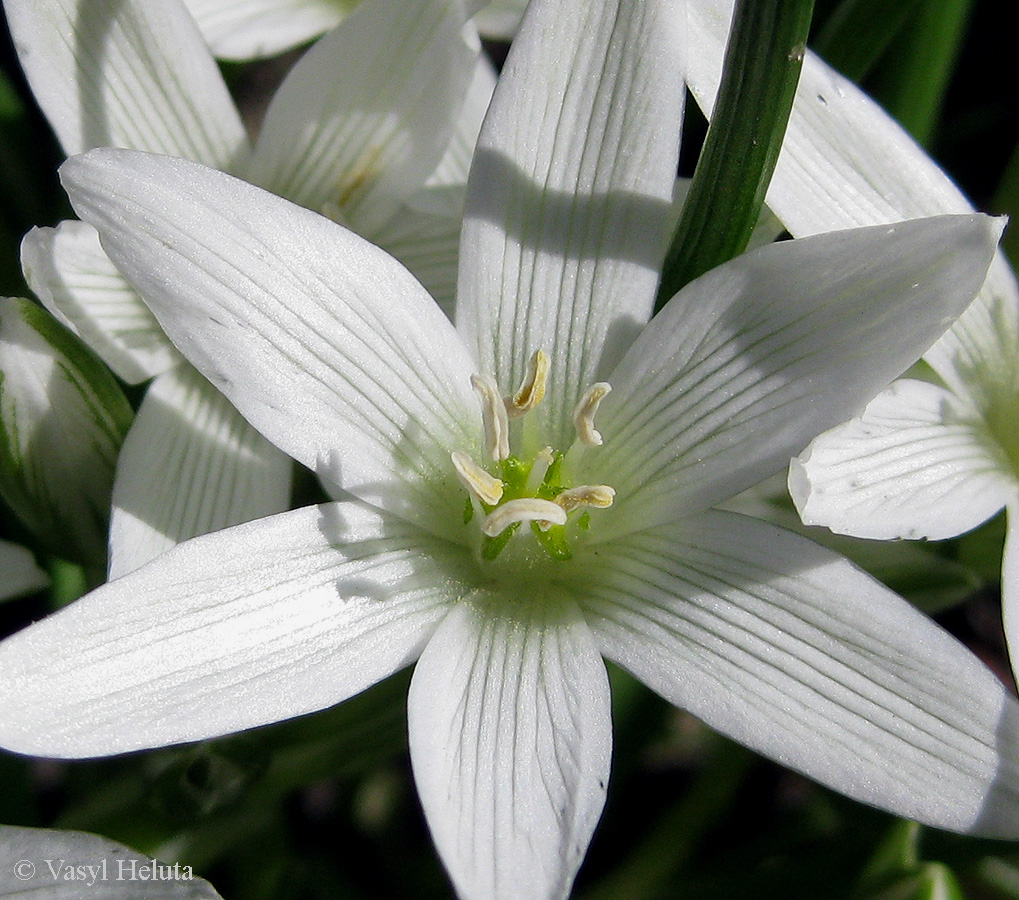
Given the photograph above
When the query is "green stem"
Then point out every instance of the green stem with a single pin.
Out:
(762, 68)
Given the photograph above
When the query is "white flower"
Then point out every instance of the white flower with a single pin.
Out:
(925, 459)
(138, 75)
(508, 520)
(258, 28)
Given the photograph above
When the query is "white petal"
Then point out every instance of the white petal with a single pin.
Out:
(73, 277)
(323, 342)
(425, 237)
(364, 117)
(510, 739)
(131, 74)
(750, 362)
(977, 356)
(787, 648)
(845, 162)
(249, 29)
(455, 165)
(569, 194)
(500, 19)
(190, 465)
(70, 865)
(250, 625)
(19, 573)
(916, 464)
(1010, 582)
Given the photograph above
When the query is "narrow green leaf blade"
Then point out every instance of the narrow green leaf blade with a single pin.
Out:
(762, 67)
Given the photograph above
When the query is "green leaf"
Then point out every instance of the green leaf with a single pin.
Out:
(1006, 200)
(62, 419)
(858, 32)
(981, 549)
(762, 67)
(895, 872)
(912, 77)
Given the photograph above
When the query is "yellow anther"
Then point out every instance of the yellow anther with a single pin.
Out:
(526, 509)
(600, 496)
(583, 413)
(532, 389)
(493, 417)
(487, 488)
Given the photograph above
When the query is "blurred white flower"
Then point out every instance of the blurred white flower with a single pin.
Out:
(258, 28)
(385, 149)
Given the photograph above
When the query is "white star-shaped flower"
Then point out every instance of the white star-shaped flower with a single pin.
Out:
(385, 149)
(533, 488)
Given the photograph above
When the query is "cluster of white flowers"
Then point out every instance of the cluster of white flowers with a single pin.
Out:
(450, 322)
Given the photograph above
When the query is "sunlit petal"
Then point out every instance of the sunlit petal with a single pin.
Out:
(454, 167)
(916, 464)
(570, 192)
(789, 649)
(249, 29)
(130, 74)
(73, 277)
(510, 738)
(261, 622)
(748, 363)
(844, 163)
(367, 113)
(324, 343)
(190, 465)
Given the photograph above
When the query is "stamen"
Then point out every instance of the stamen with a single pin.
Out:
(600, 496)
(532, 389)
(493, 417)
(486, 487)
(526, 509)
(583, 413)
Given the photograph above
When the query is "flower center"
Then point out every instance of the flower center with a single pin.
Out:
(533, 491)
